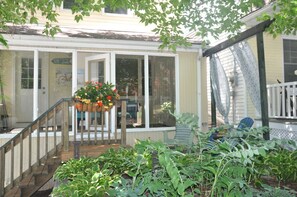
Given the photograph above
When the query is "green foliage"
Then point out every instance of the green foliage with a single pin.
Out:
(283, 23)
(189, 119)
(275, 192)
(170, 18)
(152, 169)
(281, 164)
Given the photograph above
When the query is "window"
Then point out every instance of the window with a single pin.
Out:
(290, 60)
(27, 75)
(130, 82)
(109, 10)
(67, 4)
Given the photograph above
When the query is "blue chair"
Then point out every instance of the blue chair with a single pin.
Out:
(245, 123)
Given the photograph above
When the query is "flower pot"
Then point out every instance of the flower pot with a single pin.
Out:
(79, 106)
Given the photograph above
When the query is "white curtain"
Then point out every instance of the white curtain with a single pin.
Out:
(247, 63)
(220, 87)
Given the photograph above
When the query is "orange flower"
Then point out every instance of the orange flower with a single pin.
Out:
(99, 103)
(109, 97)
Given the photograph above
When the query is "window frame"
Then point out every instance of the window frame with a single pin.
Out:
(129, 12)
(285, 63)
(146, 89)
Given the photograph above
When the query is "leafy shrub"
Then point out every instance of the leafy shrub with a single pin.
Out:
(152, 169)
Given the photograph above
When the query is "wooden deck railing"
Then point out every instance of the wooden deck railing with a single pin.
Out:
(48, 134)
(282, 100)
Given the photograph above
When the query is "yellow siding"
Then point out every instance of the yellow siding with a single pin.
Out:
(101, 21)
(188, 82)
(273, 48)
(6, 62)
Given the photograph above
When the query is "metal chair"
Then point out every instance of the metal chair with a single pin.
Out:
(244, 124)
(183, 136)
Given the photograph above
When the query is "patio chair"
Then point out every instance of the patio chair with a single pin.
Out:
(245, 123)
(183, 136)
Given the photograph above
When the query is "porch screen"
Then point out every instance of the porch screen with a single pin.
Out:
(132, 73)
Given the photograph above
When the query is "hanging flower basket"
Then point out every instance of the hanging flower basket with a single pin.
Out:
(95, 97)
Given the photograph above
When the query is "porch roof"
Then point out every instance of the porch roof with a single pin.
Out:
(73, 32)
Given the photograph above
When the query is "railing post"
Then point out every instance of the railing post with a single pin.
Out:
(66, 125)
(123, 122)
(2, 171)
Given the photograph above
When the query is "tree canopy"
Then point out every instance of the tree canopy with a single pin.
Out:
(170, 17)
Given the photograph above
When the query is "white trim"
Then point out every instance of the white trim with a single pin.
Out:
(285, 37)
(73, 43)
(35, 85)
(41, 49)
(74, 71)
(113, 81)
(74, 84)
(161, 54)
(251, 19)
(13, 90)
(177, 84)
(289, 37)
(146, 90)
(283, 59)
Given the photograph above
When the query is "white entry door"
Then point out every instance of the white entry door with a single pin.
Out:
(97, 69)
(24, 86)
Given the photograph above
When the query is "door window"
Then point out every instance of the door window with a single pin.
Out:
(27, 73)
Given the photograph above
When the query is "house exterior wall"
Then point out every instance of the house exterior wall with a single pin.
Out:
(102, 21)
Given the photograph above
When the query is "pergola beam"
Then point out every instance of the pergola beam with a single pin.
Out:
(258, 31)
(240, 37)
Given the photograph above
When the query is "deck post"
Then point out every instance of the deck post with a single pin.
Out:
(2, 171)
(262, 80)
(66, 125)
(123, 122)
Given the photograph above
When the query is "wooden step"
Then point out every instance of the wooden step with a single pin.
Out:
(39, 176)
(40, 180)
(53, 160)
(42, 169)
(15, 192)
(29, 180)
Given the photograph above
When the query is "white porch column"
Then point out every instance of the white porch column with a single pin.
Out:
(177, 85)
(74, 71)
(199, 86)
(74, 83)
(147, 96)
(113, 81)
(35, 85)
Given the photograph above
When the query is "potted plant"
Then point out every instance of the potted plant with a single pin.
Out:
(95, 96)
